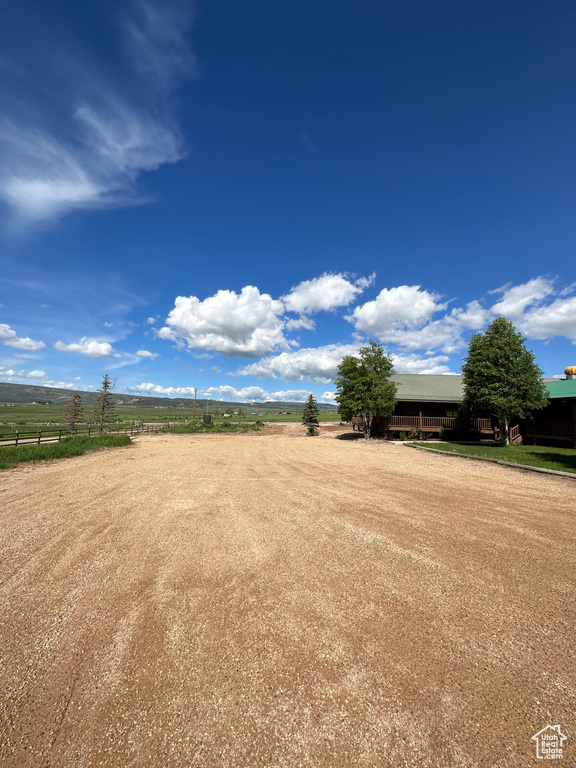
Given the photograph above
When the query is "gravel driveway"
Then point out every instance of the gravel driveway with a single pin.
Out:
(276, 600)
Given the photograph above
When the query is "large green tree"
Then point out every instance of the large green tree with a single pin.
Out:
(310, 416)
(103, 412)
(364, 386)
(501, 378)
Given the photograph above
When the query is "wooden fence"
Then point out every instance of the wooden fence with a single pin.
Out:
(55, 435)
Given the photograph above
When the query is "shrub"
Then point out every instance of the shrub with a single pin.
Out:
(402, 436)
(413, 434)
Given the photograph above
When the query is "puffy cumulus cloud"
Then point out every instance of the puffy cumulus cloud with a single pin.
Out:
(415, 364)
(328, 398)
(293, 324)
(517, 298)
(444, 334)
(145, 353)
(249, 394)
(243, 394)
(12, 373)
(246, 324)
(403, 306)
(326, 293)
(147, 388)
(9, 337)
(94, 349)
(319, 364)
(555, 319)
(58, 385)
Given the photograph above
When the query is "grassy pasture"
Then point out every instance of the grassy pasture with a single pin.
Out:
(544, 457)
(36, 416)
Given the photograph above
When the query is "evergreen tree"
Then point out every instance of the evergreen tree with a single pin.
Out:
(103, 412)
(310, 416)
(501, 378)
(364, 386)
(74, 412)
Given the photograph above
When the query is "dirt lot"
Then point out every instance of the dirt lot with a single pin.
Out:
(277, 600)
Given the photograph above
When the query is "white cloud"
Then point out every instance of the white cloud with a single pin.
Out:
(415, 364)
(151, 320)
(91, 156)
(394, 308)
(366, 282)
(243, 394)
(147, 388)
(90, 348)
(11, 373)
(145, 353)
(9, 337)
(300, 322)
(316, 364)
(516, 299)
(249, 394)
(245, 324)
(156, 39)
(59, 385)
(444, 334)
(555, 319)
(328, 398)
(323, 293)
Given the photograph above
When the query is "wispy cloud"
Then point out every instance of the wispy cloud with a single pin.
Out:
(156, 39)
(105, 136)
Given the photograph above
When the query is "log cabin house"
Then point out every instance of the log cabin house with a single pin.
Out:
(431, 404)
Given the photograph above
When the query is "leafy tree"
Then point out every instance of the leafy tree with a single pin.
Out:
(364, 386)
(74, 412)
(310, 416)
(103, 412)
(501, 378)
(240, 412)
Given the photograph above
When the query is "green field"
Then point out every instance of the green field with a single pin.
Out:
(544, 457)
(33, 417)
(10, 456)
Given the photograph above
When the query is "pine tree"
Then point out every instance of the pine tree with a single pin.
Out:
(74, 412)
(103, 412)
(310, 416)
(501, 378)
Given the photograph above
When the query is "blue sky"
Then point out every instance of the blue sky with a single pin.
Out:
(232, 196)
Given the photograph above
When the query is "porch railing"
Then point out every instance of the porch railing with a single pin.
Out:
(551, 428)
(426, 423)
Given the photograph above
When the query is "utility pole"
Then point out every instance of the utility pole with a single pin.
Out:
(194, 412)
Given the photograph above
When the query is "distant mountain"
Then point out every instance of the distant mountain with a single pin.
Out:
(28, 393)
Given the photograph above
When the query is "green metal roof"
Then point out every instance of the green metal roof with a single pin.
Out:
(429, 387)
(561, 388)
(426, 387)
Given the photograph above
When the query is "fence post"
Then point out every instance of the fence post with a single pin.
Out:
(16, 437)
(60, 436)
